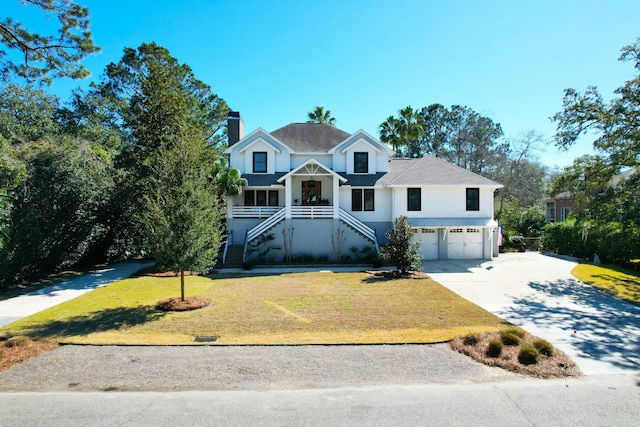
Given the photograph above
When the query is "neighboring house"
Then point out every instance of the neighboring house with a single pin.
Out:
(559, 207)
(320, 191)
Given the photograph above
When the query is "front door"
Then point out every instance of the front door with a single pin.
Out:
(311, 193)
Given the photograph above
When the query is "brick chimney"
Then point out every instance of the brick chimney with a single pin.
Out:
(235, 127)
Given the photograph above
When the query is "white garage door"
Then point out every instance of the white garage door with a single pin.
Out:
(428, 239)
(464, 243)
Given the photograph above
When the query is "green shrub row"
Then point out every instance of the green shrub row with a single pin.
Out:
(614, 243)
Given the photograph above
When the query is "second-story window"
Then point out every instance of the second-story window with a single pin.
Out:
(414, 199)
(473, 199)
(260, 162)
(360, 162)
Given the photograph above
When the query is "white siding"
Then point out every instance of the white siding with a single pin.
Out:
(382, 212)
(443, 202)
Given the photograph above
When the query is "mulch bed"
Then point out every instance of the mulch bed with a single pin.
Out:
(177, 304)
(557, 366)
(395, 274)
(19, 349)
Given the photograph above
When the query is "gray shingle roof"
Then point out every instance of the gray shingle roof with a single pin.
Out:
(263, 180)
(430, 171)
(310, 137)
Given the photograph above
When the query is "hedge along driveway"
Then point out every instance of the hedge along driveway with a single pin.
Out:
(539, 294)
(297, 308)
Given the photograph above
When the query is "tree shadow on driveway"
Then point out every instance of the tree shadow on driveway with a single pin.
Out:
(607, 329)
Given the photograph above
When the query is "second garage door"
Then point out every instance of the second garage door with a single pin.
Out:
(464, 243)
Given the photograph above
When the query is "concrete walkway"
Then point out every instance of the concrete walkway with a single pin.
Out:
(537, 292)
(33, 302)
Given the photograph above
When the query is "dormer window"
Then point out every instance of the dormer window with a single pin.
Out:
(260, 162)
(360, 162)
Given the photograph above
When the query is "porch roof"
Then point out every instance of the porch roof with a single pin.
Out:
(453, 222)
(263, 180)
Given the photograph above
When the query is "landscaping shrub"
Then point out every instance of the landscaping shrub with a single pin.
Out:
(514, 330)
(495, 348)
(528, 354)
(511, 336)
(471, 339)
(543, 346)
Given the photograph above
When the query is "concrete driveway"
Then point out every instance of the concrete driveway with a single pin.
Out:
(25, 305)
(537, 292)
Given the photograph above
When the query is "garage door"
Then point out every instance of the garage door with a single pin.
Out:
(428, 239)
(464, 243)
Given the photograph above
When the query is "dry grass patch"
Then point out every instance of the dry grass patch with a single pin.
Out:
(21, 348)
(300, 308)
(555, 366)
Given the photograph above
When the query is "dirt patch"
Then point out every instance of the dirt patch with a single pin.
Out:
(19, 349)
(556, 366)
(395, 274)
(177, 304)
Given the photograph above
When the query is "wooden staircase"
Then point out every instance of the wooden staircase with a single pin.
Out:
(235, 255)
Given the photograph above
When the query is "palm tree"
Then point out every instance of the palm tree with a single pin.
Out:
(402, 131)
(319, 115)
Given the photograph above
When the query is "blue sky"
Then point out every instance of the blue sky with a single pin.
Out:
(365, 59)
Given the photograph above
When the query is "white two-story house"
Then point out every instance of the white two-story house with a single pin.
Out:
(317, 190)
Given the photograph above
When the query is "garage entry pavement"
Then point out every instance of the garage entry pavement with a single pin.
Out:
(537, 292)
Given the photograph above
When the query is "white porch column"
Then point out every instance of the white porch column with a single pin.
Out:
(336, 197)
(287, 197)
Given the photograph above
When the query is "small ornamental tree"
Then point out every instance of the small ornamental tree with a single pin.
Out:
(401, 250)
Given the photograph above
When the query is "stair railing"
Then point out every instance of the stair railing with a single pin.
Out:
(261, 228)
(360, 227)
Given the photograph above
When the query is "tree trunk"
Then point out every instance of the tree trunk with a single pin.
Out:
(182, 283)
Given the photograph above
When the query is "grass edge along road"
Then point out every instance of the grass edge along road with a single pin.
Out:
(295, 308)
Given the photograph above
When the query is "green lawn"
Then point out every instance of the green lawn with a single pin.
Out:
(299, 308)
(620, 282)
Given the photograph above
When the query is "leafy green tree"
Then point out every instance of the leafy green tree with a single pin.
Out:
(523, 176)
(523, 220)
(54, 209)
(435, 137)
(182, 215)
(605, 186)
(401, 250)
(34, 56)
(155, 99)
(320, 115)
(27, 114)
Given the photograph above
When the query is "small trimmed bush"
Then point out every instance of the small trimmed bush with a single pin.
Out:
(528, 354)
(471, 339)
(543, 347)
(509, 339)
(514, 330)
(495, 348)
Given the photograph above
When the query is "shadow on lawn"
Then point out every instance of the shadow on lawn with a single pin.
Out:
(96, 321)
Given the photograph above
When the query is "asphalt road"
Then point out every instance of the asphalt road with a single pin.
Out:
(592, 401)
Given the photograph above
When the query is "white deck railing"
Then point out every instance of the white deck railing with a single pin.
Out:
(311, 212)
(254, 211)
